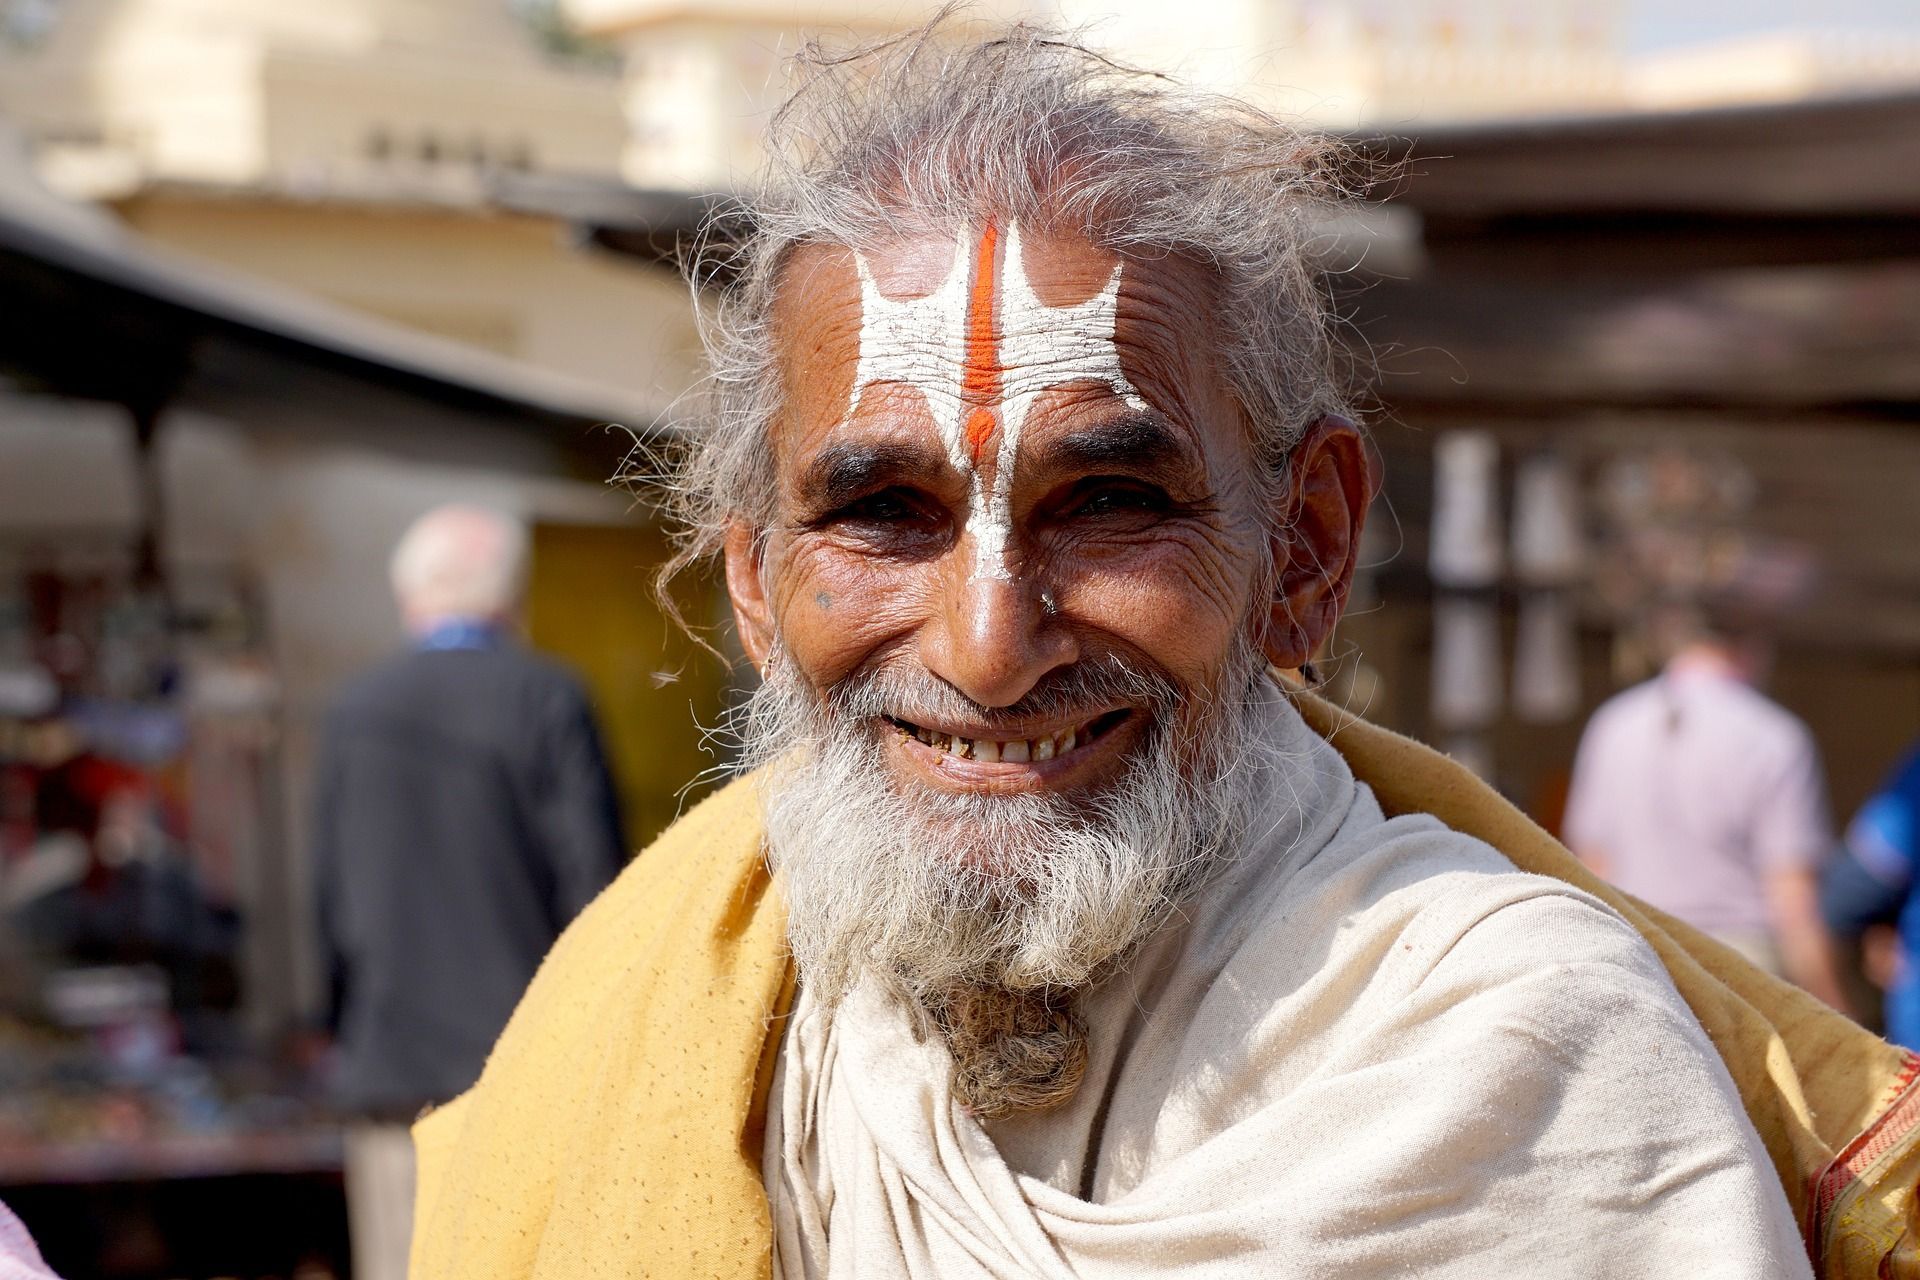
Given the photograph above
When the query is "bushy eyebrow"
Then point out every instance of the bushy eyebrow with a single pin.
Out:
(1138, 442)
(840, 473)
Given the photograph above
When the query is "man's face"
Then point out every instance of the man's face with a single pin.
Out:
(1001, 457)
(1013, 607)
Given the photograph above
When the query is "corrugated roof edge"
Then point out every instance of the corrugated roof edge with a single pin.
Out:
(78, 239)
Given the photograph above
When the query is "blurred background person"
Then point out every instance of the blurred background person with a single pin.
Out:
(465, 815)
(1869, 887)
(19, 1259)
(1699, 795)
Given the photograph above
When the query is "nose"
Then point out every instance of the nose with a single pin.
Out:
(992, 640)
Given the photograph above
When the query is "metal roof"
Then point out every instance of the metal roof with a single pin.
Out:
(1834, 156)
(89, 309)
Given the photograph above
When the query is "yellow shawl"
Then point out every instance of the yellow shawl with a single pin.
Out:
(616, 1130)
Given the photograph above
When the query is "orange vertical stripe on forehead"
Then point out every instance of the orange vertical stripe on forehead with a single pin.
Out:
(980, 379)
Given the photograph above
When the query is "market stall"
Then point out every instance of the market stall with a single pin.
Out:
(160, 1115)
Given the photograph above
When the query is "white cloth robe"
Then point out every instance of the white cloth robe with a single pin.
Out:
(1372, 1048)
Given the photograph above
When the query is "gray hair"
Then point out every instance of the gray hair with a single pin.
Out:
(926, 134)
(460, 561)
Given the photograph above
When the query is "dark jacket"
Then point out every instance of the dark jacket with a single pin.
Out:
(465, 815)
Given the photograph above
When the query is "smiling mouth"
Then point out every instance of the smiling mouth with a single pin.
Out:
(1014, 750)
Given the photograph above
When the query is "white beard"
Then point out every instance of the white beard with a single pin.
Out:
(932, 891)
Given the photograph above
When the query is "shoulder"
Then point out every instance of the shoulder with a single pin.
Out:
(1536, 1030)
(535, 681)
(544, 677)
(1411, 891)
(1427, 957)
(694, 894)
(686, 875)
(1776, 743)
(1442, 887)
(1438, 906)
(1756, 713)
(1885, 833)
(1538, 930)
(1539, 962)
(650, 1014)
(1625, 713)
(539, 667)
(1904, 780)
(1508, 967)
(369, 691)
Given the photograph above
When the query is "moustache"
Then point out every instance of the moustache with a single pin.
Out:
(903, 690)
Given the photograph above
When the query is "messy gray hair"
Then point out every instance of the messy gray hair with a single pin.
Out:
(930, 133)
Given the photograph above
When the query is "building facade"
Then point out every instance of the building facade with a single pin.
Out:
(701, 79)
(349, 150)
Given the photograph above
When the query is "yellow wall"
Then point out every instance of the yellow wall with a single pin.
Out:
(590, 604)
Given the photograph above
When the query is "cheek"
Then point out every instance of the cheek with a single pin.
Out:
(1181, 599)
(835, 608)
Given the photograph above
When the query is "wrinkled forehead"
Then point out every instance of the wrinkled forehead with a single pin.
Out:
(996, 318)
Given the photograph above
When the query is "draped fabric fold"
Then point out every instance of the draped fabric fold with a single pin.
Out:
(617, 1129)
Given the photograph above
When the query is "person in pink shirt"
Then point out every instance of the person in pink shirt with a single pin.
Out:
(1701, 796)
(19, 1259)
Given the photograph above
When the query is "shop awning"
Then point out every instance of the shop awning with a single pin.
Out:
(88, 309)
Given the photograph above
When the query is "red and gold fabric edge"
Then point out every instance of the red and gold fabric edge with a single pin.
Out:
(1860, 1207)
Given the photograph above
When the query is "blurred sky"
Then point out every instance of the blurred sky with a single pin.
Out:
(1659, 24)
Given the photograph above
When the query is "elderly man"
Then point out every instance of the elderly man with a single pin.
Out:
(464, 817)
(1091, 949)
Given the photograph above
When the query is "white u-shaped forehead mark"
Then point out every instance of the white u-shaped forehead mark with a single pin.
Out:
(922, 342)
(1039, 348)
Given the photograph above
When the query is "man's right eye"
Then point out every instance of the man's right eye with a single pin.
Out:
(889, 506)
(891, 522)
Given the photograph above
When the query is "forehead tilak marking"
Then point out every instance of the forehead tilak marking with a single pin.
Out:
(987, 347)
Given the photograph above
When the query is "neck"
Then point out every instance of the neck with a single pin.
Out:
(1708, 660)
(458, 633)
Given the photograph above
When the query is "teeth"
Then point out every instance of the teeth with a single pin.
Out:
(1019, 751)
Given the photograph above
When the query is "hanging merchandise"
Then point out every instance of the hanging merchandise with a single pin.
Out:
(1466, 662)
(27, 689)
(1465, 550)
(1549, 545)
(1546, 662)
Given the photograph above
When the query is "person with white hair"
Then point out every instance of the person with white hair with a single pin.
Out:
(458, 564)
(1056, 929)
(464, 815)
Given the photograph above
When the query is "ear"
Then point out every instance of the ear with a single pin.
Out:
(1332, 479)
(752, 613)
